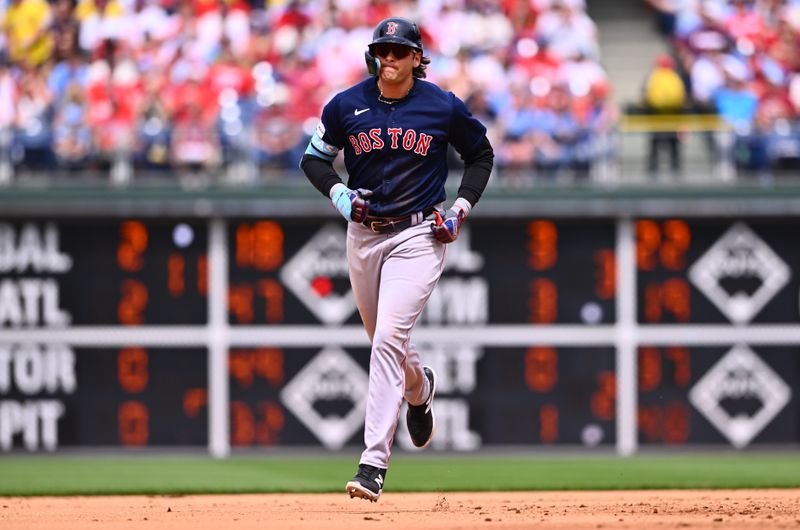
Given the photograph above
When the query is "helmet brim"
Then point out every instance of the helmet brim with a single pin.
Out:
(393, 39)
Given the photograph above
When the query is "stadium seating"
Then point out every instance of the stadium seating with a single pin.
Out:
(171, 87)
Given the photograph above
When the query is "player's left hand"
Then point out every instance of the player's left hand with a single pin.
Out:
(445, 227)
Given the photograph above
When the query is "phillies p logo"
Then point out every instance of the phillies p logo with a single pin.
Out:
(391, 28)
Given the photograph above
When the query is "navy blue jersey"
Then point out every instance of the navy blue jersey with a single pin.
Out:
(398, 151)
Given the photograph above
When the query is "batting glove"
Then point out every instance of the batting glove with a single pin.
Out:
(352, 204)
(445, 228)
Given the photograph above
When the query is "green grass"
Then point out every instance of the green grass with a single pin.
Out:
(70, 475)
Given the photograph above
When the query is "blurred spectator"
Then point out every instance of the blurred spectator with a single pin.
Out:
(71, 69)
(664, 93)
(34, 121)
(569, 30)
(194, 145)
(65, 30)
(26, 24)
(563, 141)
(517, 124)
(72, 135)
(153, 135)
(100, 20)
(735, 102)
(279, 141)
(113, 96)
(744, 22)
(9, 96)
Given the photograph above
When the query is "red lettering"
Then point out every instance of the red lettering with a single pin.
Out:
(395, 133)
(353, 141)
(363, 140)
(424, 144)
(377, 141)
(409, 139)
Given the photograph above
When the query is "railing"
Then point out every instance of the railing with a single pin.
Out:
(693, 146)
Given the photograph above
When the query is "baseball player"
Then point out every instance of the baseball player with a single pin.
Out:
(395, 130)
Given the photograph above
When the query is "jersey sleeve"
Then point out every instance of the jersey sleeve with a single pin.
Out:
(327, 139)
(466, 132)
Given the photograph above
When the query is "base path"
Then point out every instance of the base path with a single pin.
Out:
(663, 510)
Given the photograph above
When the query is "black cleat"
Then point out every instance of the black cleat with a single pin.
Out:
(419, 418)
(367, 484)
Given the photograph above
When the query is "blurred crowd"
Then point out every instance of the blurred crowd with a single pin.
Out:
(739, 59)
(187, 85)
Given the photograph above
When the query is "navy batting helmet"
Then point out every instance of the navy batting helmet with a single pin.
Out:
(397, 30)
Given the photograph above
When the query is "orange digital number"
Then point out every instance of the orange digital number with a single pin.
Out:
(670, 423)
(132, 244)
(668, 241)
(677, 237)
(240, 302)
(244, 365)
(541, 368)
(542, 245)
(176, 274)
(194, 399)
(271, 423)
(683, 366)
(649, 368)
(243, 425)
(676, 423)
(240, 367)
(202, 275)
(671, 296)
(272, 292)
(606, 275)
(548, 424)
(132, 370)
(648, 239)
(132, 302)
(133, 424)
(269, 365)
(649, 421)
(247, 430)
(259, 246)
(543, 302)
(604, 398)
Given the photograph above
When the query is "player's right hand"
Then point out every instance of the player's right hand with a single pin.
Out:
(352, 204)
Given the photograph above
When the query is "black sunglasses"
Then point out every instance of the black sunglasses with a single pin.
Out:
(398, 50)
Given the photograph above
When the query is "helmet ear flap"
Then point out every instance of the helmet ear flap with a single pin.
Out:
(373, 64)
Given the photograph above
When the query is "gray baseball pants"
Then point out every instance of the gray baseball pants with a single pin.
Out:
(392, 275)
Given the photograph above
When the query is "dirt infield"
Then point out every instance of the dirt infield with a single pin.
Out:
(728, 509)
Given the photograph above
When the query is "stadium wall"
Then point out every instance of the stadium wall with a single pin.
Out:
(222, 317)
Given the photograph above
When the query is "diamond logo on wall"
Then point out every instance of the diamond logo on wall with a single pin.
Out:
(739, 273)
(329, 397)
(318, 276)
(740, 395)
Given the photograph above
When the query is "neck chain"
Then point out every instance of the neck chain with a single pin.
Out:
(392, 101)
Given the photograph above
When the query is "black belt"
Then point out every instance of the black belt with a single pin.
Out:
(388, 225)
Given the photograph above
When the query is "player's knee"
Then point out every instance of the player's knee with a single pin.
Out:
(389, 341)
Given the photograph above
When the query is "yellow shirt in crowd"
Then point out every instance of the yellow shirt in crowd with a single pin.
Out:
(25, 24)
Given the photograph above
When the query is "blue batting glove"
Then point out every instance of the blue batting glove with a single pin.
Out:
(352, 204)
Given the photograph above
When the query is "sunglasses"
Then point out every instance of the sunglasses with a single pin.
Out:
(398, 50)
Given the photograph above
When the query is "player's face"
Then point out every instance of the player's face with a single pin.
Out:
(397, 61)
